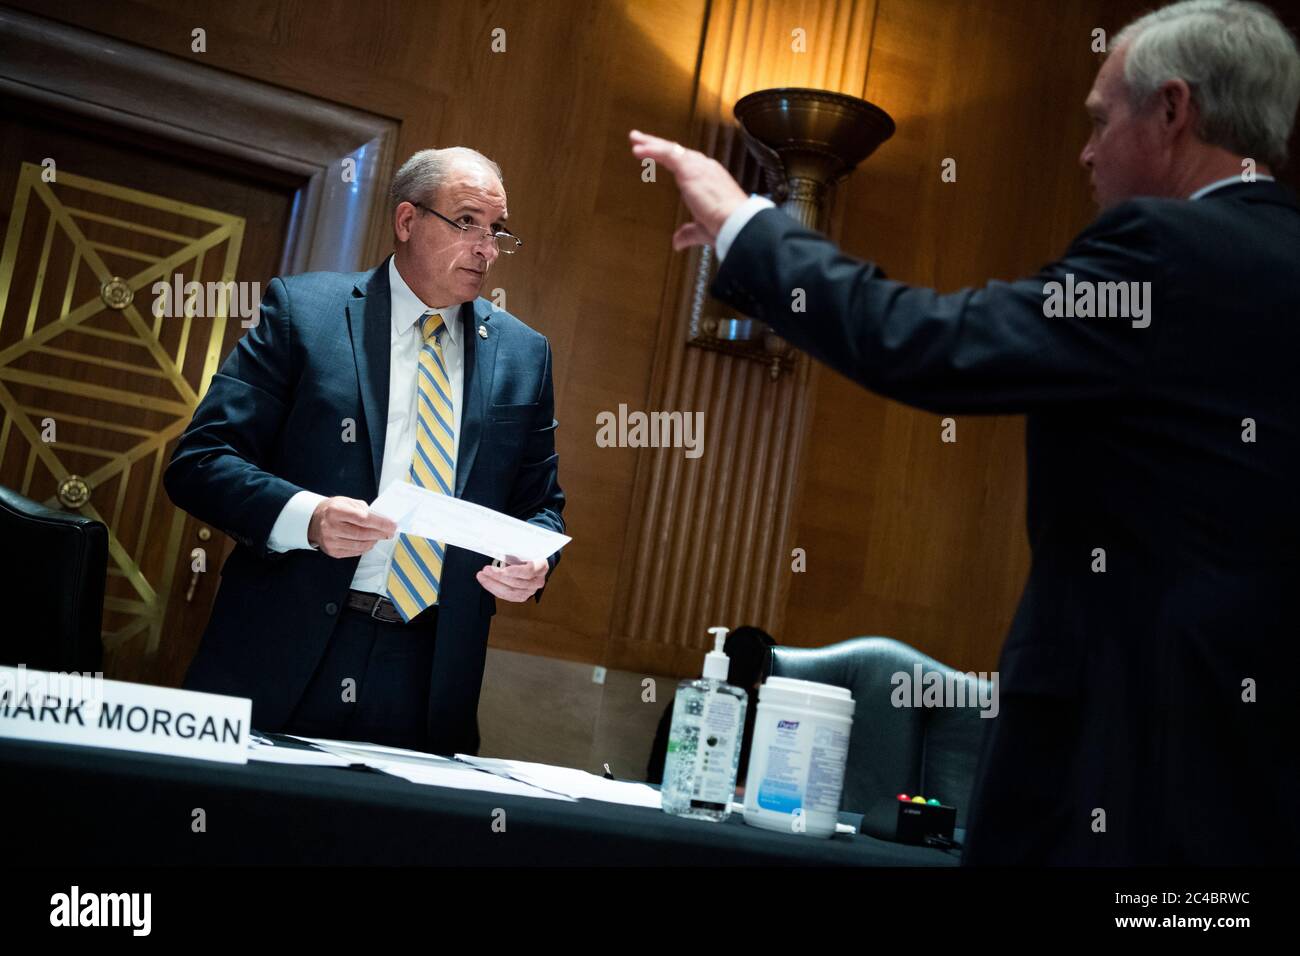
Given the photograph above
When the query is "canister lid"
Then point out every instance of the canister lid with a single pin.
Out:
(789, 692)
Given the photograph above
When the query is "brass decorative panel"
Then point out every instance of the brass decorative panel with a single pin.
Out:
(93, 384)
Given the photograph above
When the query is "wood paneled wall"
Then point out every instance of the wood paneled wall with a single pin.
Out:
(905, 535)
(554, 110)
(711, 538)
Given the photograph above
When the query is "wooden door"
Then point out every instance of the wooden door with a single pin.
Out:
(95, 386)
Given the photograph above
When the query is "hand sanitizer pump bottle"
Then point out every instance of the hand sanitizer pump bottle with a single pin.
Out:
(704, 743)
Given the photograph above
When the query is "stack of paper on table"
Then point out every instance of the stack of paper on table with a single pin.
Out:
(267, 752)
(571, 782)
(465, 772)
(429, 769)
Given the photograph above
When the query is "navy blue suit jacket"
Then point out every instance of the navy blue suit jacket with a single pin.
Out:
(273, 422)
(1134, 445)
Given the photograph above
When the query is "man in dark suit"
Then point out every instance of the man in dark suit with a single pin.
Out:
(1146, 681)
(333, 624)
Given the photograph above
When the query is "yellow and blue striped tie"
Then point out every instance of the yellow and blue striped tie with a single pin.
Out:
(416, 567)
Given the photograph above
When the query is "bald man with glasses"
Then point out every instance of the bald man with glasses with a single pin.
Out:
(333, 623)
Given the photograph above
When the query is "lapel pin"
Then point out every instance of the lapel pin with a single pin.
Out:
(482, 331)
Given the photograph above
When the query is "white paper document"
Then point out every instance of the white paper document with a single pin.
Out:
(570, 782)
(428, 769)
(358, 749)
(462, 777)
(292, 755)
(462, 524)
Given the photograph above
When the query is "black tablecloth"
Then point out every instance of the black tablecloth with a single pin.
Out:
(87, 805)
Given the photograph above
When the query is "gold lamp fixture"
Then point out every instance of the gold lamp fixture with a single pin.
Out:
(806, 141)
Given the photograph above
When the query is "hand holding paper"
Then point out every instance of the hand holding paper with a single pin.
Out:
(462, 524)
(514, 582)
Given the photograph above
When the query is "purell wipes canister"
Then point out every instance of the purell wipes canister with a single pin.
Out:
(796, 763)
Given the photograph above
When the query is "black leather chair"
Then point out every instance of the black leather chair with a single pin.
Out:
(926, 751)
(53, 593)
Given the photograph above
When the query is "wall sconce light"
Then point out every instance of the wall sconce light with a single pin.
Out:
(806, 141)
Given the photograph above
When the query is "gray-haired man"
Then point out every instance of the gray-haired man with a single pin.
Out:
(1147, 684)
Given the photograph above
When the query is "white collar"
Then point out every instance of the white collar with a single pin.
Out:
(1227, 181)
(408, 307)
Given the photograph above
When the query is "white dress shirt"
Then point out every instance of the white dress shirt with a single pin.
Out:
(1228, 181)
(737, 221)
(405, 342)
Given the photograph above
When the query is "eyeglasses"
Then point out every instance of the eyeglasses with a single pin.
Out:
(507, 243)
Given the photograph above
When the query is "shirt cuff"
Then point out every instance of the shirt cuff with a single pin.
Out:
(290, 528)
(737, 221)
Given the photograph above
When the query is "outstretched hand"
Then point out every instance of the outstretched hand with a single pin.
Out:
(709, 191)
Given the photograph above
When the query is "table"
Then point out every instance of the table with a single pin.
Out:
(92, 806)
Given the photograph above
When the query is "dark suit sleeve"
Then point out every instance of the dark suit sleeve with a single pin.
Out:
(536, 496)
(219, 471)
(989, 349)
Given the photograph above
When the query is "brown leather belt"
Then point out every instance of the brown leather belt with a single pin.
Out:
(381, 608)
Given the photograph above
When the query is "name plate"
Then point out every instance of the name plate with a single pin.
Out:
(72, 708)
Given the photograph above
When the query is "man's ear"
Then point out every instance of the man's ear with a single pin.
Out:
(402, 217)
(1176, 104)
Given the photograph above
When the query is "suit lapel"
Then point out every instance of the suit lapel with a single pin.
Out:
(480, 364)
(370, 325)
